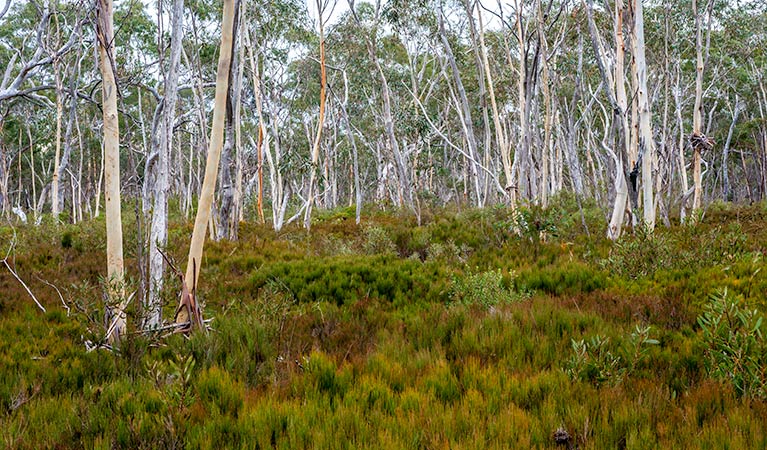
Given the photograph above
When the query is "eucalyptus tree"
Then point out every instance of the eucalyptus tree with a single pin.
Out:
(324, 10)
(228, 210)
(109, 92)
(272, 47)
(157, 177)
(401, 159)
(645, 134)
(188, 312)
(698, 140)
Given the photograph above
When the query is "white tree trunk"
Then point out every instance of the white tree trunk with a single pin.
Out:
(115, 270)
(158, 235)
(646, 143)
(202, 218)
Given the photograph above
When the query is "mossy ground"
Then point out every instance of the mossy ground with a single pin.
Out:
(354, 337)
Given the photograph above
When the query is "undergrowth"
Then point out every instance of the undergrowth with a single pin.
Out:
(476, 329)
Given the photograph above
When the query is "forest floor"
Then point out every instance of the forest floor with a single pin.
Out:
(478, 329)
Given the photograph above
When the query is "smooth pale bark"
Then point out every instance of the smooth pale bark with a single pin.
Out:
(63, 162)
(503, 145)
(573, 126)
(613, 84)
(158, 235)
(726, 188)
(697, 118)
(547, 118)
(33, 170)
(4, 178)
(521, 154)
(680, 148)
(646, 143)
(214, 154)
(355, 156)
(227, 222)
(465, 109)
(262, 135)
(400, 159)
(621, 101)
(55, 207)
(238, 215)
(115, 269)
(320, 121)
(486, 154)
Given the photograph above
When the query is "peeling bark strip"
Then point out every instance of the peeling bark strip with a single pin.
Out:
(115, 271)
(214, 155)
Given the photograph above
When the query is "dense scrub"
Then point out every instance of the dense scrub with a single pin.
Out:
(477, 329)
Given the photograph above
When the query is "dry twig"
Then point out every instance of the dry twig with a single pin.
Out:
(16, 275)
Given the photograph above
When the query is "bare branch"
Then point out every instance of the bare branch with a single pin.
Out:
(63, 303)
(16, 275)
(5, 8)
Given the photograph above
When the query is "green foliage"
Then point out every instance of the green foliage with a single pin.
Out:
(317, 343)
(484, 289)
(377, 241)
(346, 279)
(646, 253)
(216, 388)
(736, 350)
(597, 361)
(564, 279)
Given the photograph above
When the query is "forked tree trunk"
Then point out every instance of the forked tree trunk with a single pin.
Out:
(115, 271)
(401, 161)
(465, 109)
(187, 309)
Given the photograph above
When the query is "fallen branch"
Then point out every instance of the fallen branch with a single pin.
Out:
(91, 346)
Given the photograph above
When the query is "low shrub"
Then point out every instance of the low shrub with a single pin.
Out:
(598, 361)
(485, 289)
(346, 279)
(736, 350)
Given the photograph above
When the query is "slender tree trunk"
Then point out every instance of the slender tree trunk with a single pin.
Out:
(262, 134)
(115, 270)
(320, 120)
(158, 235)
(227, 213)
(726, 188)
(55, 206)
(186, 312)
(697, 120)
(465, 108)
(355, 156)
(646, 143)
(400, 159)
(520, 156)
(239, 214)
